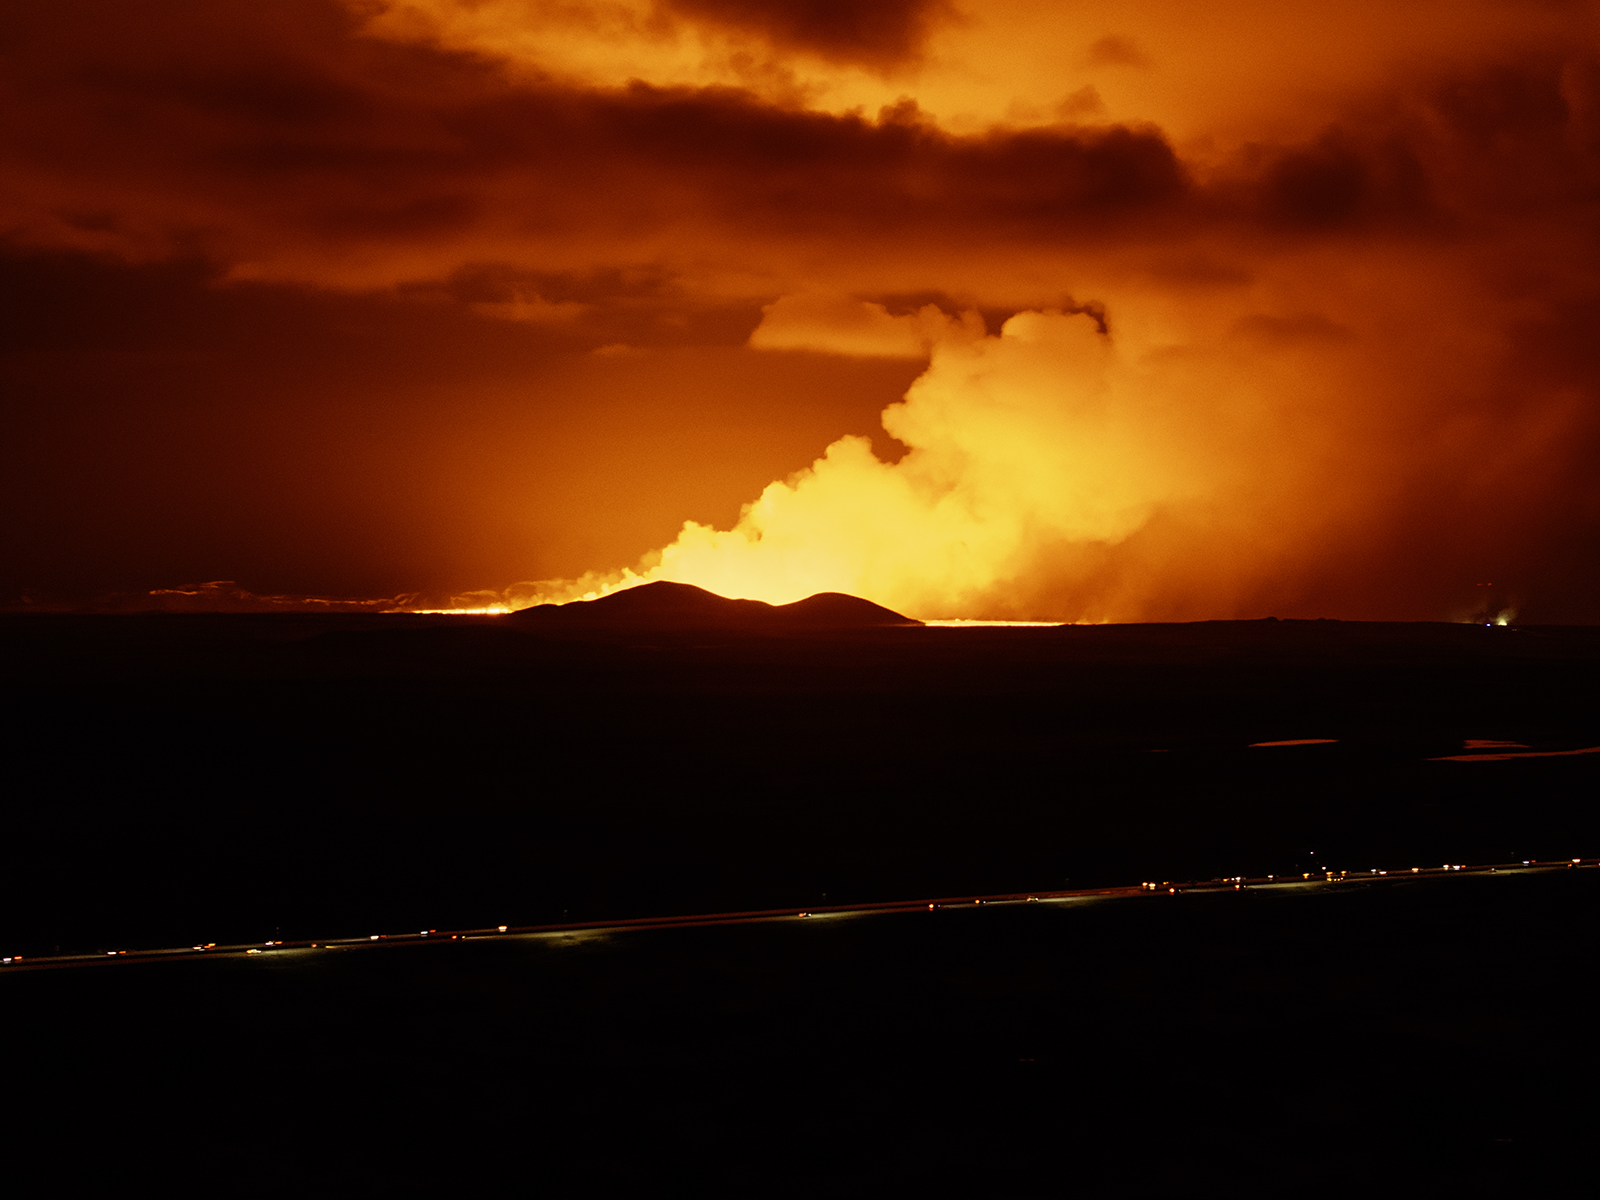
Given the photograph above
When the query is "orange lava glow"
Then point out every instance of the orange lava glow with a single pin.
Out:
(1017, 312)
(488, 610)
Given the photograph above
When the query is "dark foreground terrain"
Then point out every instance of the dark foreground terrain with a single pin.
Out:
(179, 779)
(1425, 1038)
(174, 780)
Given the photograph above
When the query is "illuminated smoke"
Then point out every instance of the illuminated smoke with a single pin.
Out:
(1025, 451)
(1016, 442)
(1191, 464)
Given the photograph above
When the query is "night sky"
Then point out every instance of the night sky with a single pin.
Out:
(1027, 309)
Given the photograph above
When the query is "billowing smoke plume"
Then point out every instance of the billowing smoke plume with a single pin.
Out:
(1182, 465)
(368, 298)
(1018, 446)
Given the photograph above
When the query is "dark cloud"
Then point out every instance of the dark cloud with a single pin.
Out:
(805, 170)
(261, 146)
(454, 241)
(1115, 51)
(1505, 105)
(875, 33)
(1276, 330)
(638, 307)
(277, 138)
(1338, 181)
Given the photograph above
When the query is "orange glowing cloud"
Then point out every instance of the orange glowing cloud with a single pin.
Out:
(1227, 309)
(843, 325)
(1276, 451)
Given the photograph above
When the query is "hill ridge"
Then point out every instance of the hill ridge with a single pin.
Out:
(664, 605)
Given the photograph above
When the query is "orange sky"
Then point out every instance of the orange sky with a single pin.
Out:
(1031, 310)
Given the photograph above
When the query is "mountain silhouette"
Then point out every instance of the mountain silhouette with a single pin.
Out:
(666, 606)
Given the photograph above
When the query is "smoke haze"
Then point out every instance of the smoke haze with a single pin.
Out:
(1093, 313)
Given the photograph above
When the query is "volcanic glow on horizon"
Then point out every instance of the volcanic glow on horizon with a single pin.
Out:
(1017, 311)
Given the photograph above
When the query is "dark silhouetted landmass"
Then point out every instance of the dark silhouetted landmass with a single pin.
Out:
(175, 778)
(1433, 1037)
(664, 606)
(179, 779)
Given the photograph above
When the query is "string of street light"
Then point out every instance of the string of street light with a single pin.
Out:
(1325, 877)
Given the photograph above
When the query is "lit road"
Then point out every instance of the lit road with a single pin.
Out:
(1148, 889)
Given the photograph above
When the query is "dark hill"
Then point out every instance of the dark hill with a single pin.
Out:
(662, 606)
